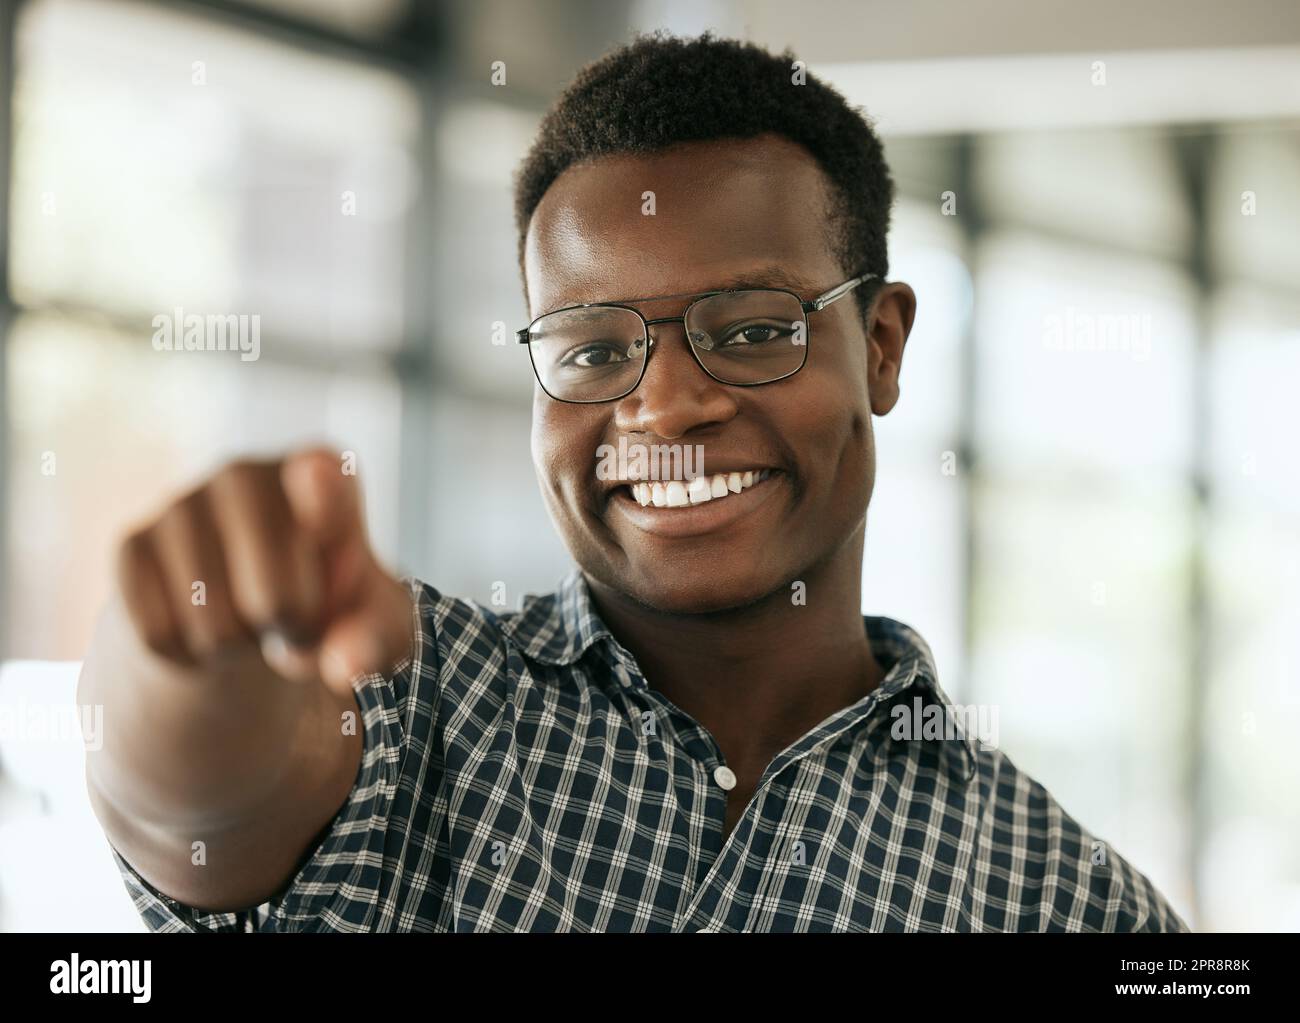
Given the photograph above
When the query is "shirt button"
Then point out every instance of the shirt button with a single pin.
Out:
(725, 777)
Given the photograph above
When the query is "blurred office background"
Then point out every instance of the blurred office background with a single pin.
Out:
(1088, 498)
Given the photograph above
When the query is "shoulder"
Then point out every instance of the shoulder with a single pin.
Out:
(442, 617)
(448, 629)
(553, 628)
(1046, 871)
(463, 641)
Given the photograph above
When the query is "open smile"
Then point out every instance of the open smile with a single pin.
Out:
(689, 508)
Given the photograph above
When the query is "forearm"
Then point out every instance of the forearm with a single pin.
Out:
(246, 862)
(221, 762)
(187, 747)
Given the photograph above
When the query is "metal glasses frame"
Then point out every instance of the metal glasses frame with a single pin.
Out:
(826, 298)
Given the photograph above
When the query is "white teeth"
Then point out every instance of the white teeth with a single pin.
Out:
(679, 494)
(699, 491)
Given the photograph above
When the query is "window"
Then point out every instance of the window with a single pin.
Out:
(165, 166)
(1123, 525)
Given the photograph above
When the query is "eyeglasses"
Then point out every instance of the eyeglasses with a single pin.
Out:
(599, 351)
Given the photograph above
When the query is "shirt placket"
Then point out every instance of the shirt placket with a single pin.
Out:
(706, 906)
(696, 751)
(714, 862)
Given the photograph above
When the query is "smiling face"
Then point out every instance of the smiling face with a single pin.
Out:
(725, 212)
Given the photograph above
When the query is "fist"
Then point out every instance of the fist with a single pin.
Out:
(272, 557)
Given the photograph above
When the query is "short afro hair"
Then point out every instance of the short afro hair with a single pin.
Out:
(661, 90)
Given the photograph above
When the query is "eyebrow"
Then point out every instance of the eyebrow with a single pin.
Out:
(767, 277)
(771, 276)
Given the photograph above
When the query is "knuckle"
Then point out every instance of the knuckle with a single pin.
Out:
(134, 546)
(210, 640)
(180, 521)
(236, 477)
(142, 595)
(211, 626)
(294, 618)
(266, 607)
(134, 554)
(160, 638)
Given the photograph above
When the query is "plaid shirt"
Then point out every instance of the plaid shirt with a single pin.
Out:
(520, 774)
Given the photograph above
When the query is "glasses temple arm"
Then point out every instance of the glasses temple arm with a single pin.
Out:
(838, 292)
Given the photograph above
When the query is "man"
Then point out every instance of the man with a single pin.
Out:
(698, 731)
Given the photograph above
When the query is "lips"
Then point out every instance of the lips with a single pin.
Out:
(684, 474)
(703, 515)
(701, 489)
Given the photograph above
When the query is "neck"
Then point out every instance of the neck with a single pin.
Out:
(761, 676)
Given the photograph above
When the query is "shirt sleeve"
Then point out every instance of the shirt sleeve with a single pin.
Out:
(1143, 908)
(339, 886)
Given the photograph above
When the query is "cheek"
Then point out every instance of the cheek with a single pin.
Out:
(547, 453)
(860, 443)
(865, 444)
(837, 389)
(563, 444)
(834, 415)
(537, 439)
(840, 455)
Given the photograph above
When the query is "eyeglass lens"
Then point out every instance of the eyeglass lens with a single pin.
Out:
(740, 337)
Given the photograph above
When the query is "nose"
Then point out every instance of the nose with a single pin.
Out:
(675, 395)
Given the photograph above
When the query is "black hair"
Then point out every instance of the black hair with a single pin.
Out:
(661, 90)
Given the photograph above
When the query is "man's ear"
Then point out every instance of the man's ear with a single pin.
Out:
(891, 321)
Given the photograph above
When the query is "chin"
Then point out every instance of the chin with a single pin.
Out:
(688, 588)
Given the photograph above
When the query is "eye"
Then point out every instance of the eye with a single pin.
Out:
(598, 354)
(754, 334)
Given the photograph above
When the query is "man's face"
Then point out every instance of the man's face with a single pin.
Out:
(724, 211)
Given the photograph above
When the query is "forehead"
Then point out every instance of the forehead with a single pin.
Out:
(719, 208)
